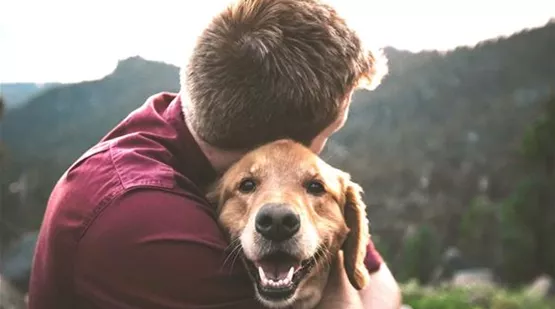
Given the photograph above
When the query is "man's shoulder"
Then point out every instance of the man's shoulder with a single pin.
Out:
(157, 247)
(157, 212)
(149, 148)
(109, 171)
(149, 223)
(112, 167)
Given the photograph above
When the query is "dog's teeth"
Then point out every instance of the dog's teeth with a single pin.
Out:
(262, 274)
(265, 281)
(290, 274)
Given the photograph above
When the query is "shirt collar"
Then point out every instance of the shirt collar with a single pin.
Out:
(190, 160)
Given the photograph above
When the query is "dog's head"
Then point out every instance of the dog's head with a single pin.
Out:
(290, 212)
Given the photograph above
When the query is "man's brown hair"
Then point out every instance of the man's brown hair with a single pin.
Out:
(269, 69)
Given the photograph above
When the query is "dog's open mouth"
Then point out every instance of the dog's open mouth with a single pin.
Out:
(277, 275)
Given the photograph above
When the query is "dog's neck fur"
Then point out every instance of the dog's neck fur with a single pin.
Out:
(310, 297)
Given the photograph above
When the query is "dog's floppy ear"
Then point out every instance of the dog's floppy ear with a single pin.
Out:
(354, 247)
(216, 194)
(213, 193)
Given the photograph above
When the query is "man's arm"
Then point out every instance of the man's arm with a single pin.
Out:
(154, 249)
(382, 292)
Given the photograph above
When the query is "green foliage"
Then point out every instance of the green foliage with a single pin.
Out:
(383, 248)
(420, 255)
(2, 151)
(539, 141)
(478, 297)
(2, 107)
(526, 233)
(478, 231)
(528, 215)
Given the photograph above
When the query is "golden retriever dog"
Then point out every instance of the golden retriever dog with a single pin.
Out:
(288, 213)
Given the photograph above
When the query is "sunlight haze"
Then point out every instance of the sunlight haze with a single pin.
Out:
(71, 41)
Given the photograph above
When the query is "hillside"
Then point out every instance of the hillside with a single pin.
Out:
(77, 115)
(441, 130)
(44, 136)
(16, 94)
(442, 123)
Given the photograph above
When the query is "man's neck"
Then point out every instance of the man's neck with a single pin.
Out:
(220, 159)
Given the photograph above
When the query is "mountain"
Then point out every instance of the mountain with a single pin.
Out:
(443, 129)
(70, 118)
(43, 137)
(16, 94)
(446, 122)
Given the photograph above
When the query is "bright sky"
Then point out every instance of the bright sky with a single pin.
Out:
(71, 41)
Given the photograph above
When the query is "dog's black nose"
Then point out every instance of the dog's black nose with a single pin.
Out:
(277, 222)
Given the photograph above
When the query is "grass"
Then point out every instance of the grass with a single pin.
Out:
(478, 297)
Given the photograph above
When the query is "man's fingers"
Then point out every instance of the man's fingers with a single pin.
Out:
(338, 264)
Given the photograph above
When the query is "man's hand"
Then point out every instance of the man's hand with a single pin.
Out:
(339, 293)
(381, 293)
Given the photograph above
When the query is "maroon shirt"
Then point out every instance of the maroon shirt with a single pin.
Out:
(127, 226)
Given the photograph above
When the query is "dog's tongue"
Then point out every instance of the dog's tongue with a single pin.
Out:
(277, 268)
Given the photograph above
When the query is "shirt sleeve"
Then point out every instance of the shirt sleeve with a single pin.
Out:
(155, 249)
(373, 259)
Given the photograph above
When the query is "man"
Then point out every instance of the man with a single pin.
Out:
(127, 226)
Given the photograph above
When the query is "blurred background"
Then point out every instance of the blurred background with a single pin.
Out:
(455, 149)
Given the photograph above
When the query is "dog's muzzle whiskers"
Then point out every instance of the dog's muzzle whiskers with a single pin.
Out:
(236, 250)
(323, 257)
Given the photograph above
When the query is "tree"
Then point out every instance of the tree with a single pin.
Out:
(1, 162)
(478, 231)
(1, 107)
(528, 216)
(1, 114)
(538, 146)
(420, 255)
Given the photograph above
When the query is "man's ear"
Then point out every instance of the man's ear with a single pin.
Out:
(354, 247)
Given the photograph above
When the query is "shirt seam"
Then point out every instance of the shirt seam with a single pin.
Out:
(113, 161)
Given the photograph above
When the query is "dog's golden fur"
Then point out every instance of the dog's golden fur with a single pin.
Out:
(331, 221)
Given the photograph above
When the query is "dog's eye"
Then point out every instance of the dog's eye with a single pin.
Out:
(247, 185)
(315, 187)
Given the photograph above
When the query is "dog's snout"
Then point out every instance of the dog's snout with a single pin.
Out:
(277, 222)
